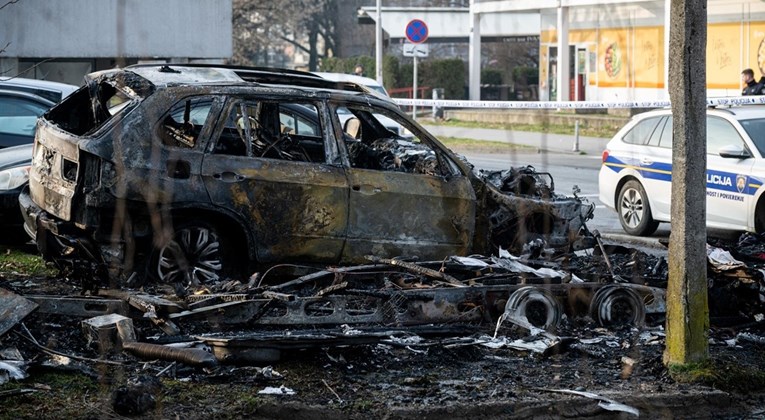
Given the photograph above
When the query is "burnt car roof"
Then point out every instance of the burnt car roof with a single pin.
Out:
(188, 74)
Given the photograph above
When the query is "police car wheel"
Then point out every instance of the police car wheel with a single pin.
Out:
(759, 216)
(634, 210)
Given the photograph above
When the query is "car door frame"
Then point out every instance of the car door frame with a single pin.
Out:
(437, 212)
(294, 210)
(728, 203)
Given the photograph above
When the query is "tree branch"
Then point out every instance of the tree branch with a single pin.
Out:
(8, 3)
(295, 43)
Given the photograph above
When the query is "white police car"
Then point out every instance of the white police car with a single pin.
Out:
(635, 178)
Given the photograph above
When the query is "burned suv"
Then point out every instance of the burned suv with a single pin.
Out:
(186, 174)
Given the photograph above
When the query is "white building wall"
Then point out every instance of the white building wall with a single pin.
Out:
(117, 28)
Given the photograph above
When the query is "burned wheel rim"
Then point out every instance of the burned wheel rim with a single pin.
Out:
(614, 306)
(632, 207)
(192, 257)
(535, 305)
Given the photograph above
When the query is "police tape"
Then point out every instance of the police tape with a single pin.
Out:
(450, 103)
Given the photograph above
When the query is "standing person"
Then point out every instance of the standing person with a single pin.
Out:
(359, 70)
(752, 87)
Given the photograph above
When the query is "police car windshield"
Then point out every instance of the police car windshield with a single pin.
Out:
(756, 130)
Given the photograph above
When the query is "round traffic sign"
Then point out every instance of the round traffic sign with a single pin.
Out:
(416, 31)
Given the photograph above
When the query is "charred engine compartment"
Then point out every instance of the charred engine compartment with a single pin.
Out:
(522, 207)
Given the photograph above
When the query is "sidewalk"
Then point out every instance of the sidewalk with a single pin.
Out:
(542, 141)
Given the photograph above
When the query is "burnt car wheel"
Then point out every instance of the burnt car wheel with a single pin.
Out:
(634, 210)
(615, 306)
(193, 256)
(536, 305)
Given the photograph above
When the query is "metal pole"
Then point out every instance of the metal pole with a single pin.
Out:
(414, 86)
(576, 136)
(378, 45)
(474, 53)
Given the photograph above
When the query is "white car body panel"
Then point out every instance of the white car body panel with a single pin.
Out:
(734, 185)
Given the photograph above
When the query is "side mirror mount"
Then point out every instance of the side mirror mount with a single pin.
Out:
(734, 152)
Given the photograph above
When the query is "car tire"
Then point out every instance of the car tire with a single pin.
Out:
(759, 216)
(194, 255)
(634, 210)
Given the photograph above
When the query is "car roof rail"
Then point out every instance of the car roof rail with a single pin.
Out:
(270, 75)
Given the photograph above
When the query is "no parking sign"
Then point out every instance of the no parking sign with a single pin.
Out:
(416, 31)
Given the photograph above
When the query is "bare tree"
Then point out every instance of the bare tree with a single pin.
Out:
(7, 3)
(265, 28)
(319, 24)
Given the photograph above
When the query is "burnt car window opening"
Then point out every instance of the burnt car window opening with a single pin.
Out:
(184, 122)
(80, 113)
(372, 145)
(286, 131)
(294, 122)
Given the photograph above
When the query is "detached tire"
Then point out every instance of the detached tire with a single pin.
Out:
(195, 255)
(634, 211)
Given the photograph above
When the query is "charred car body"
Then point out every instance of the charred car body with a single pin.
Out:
(187, 174)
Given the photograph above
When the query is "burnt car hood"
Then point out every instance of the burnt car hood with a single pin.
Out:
(517, 206)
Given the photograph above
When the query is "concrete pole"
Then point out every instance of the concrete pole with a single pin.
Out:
(687, 309)
(474, 55)
(379, 45)
(563, 78)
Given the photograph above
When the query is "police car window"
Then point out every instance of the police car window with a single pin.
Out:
(721, 133)
(656, 136)
(756, 130)
(666, 134)
(184, 122)
(641, 133)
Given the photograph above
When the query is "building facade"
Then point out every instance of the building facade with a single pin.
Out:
(65, 39)
(618, 51)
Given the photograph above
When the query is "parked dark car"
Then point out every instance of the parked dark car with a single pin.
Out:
(188, 174)
(51, 91)
(18, 116)
(21, 102)
(14, 174)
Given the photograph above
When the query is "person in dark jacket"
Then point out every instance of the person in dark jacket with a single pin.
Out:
(752, 87)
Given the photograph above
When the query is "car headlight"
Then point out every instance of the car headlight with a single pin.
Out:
(14, 177)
